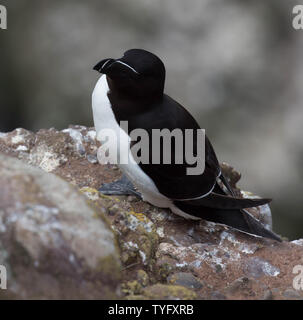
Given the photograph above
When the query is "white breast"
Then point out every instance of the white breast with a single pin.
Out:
(104, 118)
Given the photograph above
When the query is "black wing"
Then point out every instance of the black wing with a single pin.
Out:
(172, 179)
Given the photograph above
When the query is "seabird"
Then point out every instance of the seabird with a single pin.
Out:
(131, 89)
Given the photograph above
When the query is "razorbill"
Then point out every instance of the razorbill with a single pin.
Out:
(132, 89)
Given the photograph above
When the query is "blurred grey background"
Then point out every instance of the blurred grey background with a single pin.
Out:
(235, 64)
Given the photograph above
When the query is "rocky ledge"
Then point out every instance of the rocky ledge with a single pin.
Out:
(60, 238)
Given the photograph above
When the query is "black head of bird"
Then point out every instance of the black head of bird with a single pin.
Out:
(139, 74)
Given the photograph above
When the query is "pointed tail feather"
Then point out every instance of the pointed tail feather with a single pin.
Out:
(257, 228)
(220, 201)
(254, 225)
(238, 219)
(227, 210)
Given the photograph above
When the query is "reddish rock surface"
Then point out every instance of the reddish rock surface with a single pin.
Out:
(163, 255)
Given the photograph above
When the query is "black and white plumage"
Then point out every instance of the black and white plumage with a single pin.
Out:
(132, 89)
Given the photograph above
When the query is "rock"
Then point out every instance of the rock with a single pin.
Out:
(142, 277)
(168, 292)
(216, 295)
(298, 242)
(268, 295)
(292, 294)
(132, 288)
(54, 243)
(256, 267)
(185, 279)
(92, 158)
(49, 236)
(240, 286)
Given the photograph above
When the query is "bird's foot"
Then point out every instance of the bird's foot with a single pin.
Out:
(121, 187)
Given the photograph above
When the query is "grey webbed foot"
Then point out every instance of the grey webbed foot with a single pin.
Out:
(121, 187)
